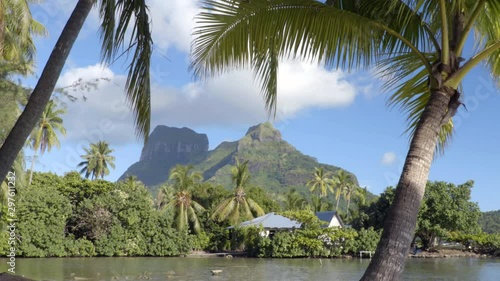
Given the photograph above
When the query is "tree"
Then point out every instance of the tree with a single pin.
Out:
(115, 19)
(239, 205)
(293, 201)
(97, 160)
(320, 182)
(184, 207)
(17, 27)
(447, 207)
(342, 181)
(44, 136)
(349, 191)
(416, 45)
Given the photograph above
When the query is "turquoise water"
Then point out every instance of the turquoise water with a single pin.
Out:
(191, 269)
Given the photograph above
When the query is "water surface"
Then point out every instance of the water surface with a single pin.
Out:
(193, 269)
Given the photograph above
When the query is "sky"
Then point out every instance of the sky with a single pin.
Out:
(340, 118)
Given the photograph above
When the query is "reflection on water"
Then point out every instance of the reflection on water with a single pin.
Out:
(191, 269)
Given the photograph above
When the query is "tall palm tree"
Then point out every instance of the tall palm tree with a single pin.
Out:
(185, 209)
(342, 180)
(45, 134)
(238, 206)
(120, 20)
(97, 160)
(349, 191)
(416, 45)
(320, 182)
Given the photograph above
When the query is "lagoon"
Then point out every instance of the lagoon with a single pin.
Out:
(191, 269)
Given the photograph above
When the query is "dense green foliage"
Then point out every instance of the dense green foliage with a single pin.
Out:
(446, 207)
(490, 221)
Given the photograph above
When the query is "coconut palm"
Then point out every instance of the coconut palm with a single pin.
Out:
(320, 182)
(183, 178)
(417, 47)
(238, 206)
(349, 191)
(125, 25)
(342, 180)
(132, 182)
(45, 134)
(292, 200)
(185, 209)
(97, 160)
(17, 27)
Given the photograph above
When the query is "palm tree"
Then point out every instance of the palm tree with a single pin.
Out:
(97, 160)
(349, 191)
(416, 45)
(183, 178)
(341, 182)
(185, 209)
(44, 136)
(116, 18)
(293, 201)
(17, 27)
(320, 182)
(132, 182)
(238, 206)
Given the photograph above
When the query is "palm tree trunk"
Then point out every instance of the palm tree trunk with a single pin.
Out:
(348, 202)
(399, 226)
(32, 167)
(337, 207)
(44, 88)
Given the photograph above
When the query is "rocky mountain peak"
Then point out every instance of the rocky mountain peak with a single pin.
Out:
(170, 142)
(264, 132)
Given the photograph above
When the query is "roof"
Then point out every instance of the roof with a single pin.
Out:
(273, 221)
(328, 216)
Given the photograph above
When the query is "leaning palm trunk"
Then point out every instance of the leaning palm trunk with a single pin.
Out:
(399, 227)
(44, 88)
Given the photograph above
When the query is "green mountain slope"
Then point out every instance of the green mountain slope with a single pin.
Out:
(490, 221)
(274, 164)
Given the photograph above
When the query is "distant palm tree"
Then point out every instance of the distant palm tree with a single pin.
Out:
(97, 160)
(239, 206)
(44, 136)
(132, 182)
(342, 181)
(320, 182)
(350, 190)
(293, 201)
(185, 209)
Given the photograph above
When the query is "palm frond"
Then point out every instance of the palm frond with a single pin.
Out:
(116, 17)
(237, 34)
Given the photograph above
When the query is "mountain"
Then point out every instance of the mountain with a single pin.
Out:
(490, 221)
(275, 165)
(165, 148)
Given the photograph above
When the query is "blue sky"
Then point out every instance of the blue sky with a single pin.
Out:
(339, 118)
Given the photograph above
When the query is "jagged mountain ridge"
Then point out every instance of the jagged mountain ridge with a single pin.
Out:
(275, 165)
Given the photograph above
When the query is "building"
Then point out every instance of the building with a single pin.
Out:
(331, 219)
(271, 223)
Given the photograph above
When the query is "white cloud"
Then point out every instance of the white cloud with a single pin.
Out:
(173, 22)
(231, 99)
(389, 158)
